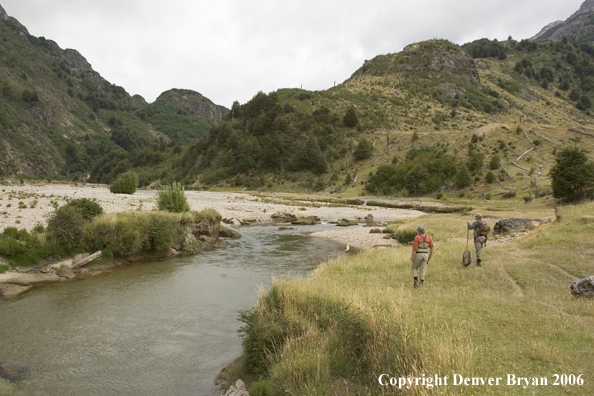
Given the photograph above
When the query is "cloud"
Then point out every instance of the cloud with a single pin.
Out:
(231, 49)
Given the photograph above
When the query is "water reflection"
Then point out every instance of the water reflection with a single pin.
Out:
(156, 328)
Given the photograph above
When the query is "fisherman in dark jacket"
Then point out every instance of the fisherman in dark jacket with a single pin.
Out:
(479, 240)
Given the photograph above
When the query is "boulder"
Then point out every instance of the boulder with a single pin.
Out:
(228, 233)
(375, 231)
(507, 225)
(583, 288)
(9, 373)
(11, 290)
(346, 223)
(284, 217)
(238, 389)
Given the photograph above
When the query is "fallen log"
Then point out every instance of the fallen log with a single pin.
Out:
(505, 170)
(501, 184)
(531, 142)
(582, 132)
(520, 157)
(87, 260)
(521, 167)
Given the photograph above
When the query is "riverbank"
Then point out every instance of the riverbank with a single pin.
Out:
(25, 206)
(356, 323)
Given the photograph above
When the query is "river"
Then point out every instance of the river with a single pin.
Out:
(155, 328)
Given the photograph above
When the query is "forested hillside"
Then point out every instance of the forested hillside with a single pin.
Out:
(435, 117)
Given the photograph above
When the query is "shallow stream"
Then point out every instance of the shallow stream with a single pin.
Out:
(156, 328)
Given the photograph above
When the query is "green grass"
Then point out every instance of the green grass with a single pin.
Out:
(356, 317)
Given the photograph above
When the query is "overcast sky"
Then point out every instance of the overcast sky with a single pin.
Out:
(230, 49)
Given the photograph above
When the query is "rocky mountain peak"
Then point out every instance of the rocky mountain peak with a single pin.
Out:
(3, 14)
(587, 5)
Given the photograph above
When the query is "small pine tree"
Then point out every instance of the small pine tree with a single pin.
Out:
(348, 180)
(463, 178)
(364, 150)
(351, 119)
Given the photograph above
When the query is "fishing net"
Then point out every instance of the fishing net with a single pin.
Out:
(467, 258)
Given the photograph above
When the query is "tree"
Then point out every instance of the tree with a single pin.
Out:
(573, 175)
(495, 162)
(351, 119)
(364, 150)
(463, 178)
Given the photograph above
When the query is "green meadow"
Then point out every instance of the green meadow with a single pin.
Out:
(357, 317)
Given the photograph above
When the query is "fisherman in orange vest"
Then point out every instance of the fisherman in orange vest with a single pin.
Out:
(421, 254)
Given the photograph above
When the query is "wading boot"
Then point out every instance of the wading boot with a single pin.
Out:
(416, 284)
(422, 282)
(478, 263)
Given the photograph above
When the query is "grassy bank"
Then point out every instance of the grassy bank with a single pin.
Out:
(118, 235)
(358, 317)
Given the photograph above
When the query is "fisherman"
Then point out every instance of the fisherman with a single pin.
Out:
(421, 254)
(480, 235)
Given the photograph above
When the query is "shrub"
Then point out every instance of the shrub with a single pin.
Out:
(66, 227)
(364, 150)
(463, 178)
(405, 236)
(171, 198)
(125, 183)
(351, 119)
(490, 177)
(89, 208)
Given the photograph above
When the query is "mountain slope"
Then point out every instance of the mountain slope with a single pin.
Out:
(579, 27)
(59, 116)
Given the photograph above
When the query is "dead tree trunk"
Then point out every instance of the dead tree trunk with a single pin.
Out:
(521, 167)
(520, 157)
(505, 170)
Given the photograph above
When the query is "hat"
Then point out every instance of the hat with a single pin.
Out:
(480, 216)
(421, 228)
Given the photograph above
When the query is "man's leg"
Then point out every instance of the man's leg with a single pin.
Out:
(478, 245)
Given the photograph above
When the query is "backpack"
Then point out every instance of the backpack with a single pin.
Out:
(484, 228)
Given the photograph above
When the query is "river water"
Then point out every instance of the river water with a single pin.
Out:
(156, 328)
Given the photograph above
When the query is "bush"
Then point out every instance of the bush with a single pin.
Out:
(463, 178)
(171, 198)
(405, 236)
(89, 208)
(351, 119)
(125, 183)
(364, 150)
(66, 227)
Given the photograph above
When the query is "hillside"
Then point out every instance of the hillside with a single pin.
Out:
(484, 119)
(60, 117)
(436, 105)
